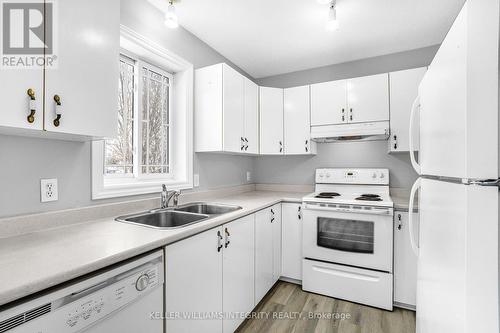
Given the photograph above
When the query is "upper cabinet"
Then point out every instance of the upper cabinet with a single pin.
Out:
(251, 132)
(81, 90)
(329, 103)
(297, 122)
(271, 121)
(368, 98)
(358, 100)
(225, 111)
(404, 90)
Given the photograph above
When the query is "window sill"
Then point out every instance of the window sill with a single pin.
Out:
(137, 188)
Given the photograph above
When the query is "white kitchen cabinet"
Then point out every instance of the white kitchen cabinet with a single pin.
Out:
(297, 121)
(233, 104)
(84, 80)
(263, 254)
(211, 272)
(291, 248)
(219, 109)
(271, 121)
(226, 111)
(193, 283)
(405, 262)
(357, 100)
(238, 270)
(251, 133)
(329, 103)
(276, 222)
(368, 98)
(403, 91)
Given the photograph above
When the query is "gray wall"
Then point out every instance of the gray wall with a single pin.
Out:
(300, 169)
(24, 161)
(382, 64)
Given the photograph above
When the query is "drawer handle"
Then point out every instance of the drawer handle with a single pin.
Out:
(227, 238)
(32, 106)
(57, 121)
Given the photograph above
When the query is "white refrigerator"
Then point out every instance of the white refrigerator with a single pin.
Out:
(458, 193)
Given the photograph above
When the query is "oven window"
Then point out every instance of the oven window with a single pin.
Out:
(345, 235)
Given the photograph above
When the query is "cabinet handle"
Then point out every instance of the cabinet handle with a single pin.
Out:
(395, 142)
(57, 99)
(281, 147)
(299, 214)
(219, 241)
(307, 146)
(399, 224)
(32, 106)
(227, 238)
(350, 116)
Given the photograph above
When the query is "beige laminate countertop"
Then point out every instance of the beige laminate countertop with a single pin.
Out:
(38, 260)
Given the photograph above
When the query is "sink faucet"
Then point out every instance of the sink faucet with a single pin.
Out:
(167, 196)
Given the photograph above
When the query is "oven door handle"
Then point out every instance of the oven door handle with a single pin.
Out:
(313, 207)
(411, 203)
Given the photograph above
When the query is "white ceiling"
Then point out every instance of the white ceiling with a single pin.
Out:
(269, 37)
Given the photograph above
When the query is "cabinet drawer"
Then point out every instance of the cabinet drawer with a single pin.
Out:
(348, 283)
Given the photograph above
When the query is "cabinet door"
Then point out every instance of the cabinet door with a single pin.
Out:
(292, 241)
(329, 103)
(271, 121)
(233, 106)
(297, 125)
(193, 283)
(86, 77)
(238, 270)
(405, 261)
(368, 98)
(404, 90)
(263, 253)
(251, 117)
(14, 86)
(276, 226)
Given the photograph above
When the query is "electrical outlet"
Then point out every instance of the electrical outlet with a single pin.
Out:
(48, 190)
(196, 180)
(249, 176)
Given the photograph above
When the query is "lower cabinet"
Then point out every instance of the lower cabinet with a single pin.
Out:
(193, 282)
(267, 250)
(405, 262)
(210, 273)
(292, 241)
(238, 271)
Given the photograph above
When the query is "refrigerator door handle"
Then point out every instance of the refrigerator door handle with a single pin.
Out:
(485, 182)
(416, 166)
(411, 204)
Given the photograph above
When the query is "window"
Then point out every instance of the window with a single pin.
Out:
(154, 141)
(147, 120)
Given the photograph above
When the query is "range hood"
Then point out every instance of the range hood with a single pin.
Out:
(351, 132)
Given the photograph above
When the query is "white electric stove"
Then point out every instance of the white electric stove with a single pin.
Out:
(348, 236)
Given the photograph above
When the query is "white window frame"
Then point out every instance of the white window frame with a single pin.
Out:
(180, 174)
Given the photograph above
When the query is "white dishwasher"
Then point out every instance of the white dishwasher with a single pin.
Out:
(125, 299)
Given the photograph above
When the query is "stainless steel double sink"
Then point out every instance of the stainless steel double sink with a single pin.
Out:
(177, 217)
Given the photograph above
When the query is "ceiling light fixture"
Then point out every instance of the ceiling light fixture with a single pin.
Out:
(332, 23)
(171, 20)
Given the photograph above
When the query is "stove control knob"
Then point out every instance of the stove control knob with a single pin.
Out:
(327, 175)
(381, 175)
(374, 175)
(142, 282)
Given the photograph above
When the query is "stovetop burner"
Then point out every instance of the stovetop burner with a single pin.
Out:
(327, 195)
(369, 197)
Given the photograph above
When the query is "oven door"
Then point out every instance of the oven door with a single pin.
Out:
(357, 239)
